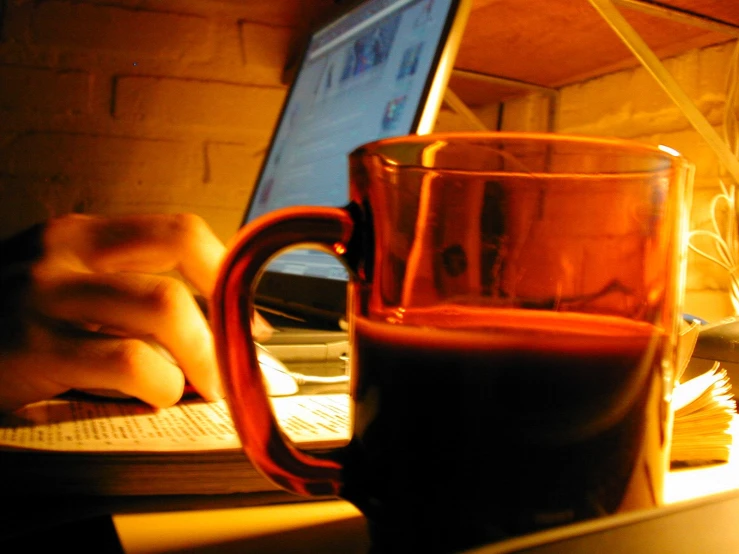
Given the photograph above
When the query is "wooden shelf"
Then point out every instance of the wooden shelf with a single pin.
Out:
(551, 43)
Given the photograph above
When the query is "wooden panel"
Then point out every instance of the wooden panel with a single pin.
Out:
(721, 10)
(558, 42)
(480, 92)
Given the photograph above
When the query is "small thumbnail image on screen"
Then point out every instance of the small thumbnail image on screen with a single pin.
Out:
(409, 63)
(266, 191)
(393, 113)
(370, 49)
(425, 16)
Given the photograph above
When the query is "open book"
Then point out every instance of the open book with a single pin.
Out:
(112, 448)
(704, 408)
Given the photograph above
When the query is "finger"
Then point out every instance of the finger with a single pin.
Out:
(60, 364)
(139, 305)
(261, 329)
(139, 243)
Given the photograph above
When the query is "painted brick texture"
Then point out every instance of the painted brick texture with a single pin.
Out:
(196, 102)
(132, 30)
(29, 89)
(630, 104)
(119, 106)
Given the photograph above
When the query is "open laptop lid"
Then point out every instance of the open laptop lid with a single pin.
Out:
(378, 70)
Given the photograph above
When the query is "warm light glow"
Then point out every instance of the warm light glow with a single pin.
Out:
(248, 529)
(668, 150)
(339, 248)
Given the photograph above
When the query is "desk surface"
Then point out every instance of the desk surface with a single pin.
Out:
(327, 527)
(336, 526)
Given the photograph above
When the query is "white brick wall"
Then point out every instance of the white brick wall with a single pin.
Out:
(152, 33)
(116, 106)
(630, 104)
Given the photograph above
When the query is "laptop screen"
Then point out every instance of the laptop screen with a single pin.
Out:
(379, 70)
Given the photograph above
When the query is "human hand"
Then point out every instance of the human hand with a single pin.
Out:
(82, 295)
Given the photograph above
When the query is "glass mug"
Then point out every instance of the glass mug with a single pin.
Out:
(513, 310)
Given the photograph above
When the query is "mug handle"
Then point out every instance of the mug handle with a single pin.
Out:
(232, 305)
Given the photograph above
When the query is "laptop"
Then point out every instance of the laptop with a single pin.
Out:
(378, 70)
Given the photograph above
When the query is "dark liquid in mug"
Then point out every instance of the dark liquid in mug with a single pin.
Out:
(471, 435)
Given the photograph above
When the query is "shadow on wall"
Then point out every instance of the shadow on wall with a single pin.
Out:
(98, 116)
(43, 174)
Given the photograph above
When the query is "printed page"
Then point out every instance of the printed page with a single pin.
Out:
(192, 425)
(312, 420)
(708, 389)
